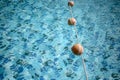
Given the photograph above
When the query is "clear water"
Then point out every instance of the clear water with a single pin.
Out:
(36, 41)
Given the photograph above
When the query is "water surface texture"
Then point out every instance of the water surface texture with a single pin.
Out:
(36, 41)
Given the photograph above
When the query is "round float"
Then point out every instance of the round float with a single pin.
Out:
(77, 49)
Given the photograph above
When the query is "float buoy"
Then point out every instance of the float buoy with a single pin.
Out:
(72, 21)
(77, 49)
(71, 3)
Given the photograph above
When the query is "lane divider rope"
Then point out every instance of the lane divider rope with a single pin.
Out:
(76, 35)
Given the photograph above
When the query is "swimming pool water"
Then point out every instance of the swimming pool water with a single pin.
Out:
(36, 41)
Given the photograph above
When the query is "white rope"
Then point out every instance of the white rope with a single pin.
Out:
(84, 66)
(71, 11)
(75, 28)
(76, 34)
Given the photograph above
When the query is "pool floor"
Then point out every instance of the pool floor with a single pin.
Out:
(36, 40)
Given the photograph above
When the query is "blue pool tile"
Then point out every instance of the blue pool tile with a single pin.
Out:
(36, 40)
(42, 78)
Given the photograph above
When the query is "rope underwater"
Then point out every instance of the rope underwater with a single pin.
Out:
(78, 48)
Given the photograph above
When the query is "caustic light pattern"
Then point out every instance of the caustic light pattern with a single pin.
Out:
(36, 40)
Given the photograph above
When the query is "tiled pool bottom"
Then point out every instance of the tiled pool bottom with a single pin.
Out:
(35, 40)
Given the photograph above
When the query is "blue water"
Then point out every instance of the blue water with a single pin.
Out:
(36, 41)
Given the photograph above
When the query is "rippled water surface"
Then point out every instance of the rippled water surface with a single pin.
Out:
(36, 41)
